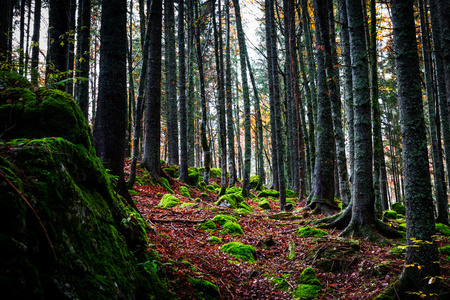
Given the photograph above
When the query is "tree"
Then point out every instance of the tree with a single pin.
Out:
(151, 160)
(246, 97)
(421, 264)
(322, 194)
(35, 43)
(110, 121)
(58, 44)
(83, 55)
(182, 95)
(171, 82)
(4, 17)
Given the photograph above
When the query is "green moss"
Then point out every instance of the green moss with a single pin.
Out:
(398, 250)
(268, 193)
(204, 289)
(214, 240)
(241, 211)
(208, 225)
(310, 232)
(445, 250)
(168, 201)
(308, 276)
(232, 228)
(233, 190)
(184, 190)
(307, 291)
(172, 171)
(215, 173)
(245, 206)
(222, 219)
(187, 204)
(254, 183)
(210, 188)
(265, 204)
(280, 283)
(162, 162)
(291, 193)
(193, 176)
(442, 228)
(215, 185)
(399, 208)
(165, 183)
(238, 250)
(198, 200)
(97, 239)
(227, 201)
(389, 214)
(12, 79)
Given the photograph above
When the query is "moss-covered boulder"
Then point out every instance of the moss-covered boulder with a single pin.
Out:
(246, 206)
(265, 204)
(222, 219)
(193, 176)
(268, 193)
(232, 228)
(233, 190)
(38, 112)
(210, 188)
(254, 183)
(214, 240)
(389, 215)
(184, 190)
(94, 246)
(208, 225)
(310, 232)
(399, 208)
(172, 171)
(215, 172)
(238, 250)
(291, 193)
(445, 250)
(442, 228)
(204, 289)
(309, 285)
(227, 201)
(168, 201)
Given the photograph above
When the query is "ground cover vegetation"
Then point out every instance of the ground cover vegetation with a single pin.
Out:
(258, 149)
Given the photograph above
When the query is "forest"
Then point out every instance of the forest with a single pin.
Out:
(217, 149)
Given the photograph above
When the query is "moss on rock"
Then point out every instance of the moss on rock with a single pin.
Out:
(399, 208)
(442, 228)
(193, 176)
(208, 225)
(238, 250)
(214, 240)
(227, 201)
(233, 190)
(265, 204)
(222, 219)
(310, 232)
(309, 285)
(389, 215)
(168, 201)
(445, 250)
(204, 289)
(268, 193)
(184, 190)
(232, 228)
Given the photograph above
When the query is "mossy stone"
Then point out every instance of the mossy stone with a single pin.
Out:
(222, 219)
(233, 189)
(442, 228)
(290, 193)
(172, 171)
(268, 193)
(165, 183)
(215, 173)
(193, 176)
(238, 250)
(245, 206)
(445, 250)
(399, 208)
(208, 225)
(198, 200)
(204, 289)
(227, 201)
(310, 232)
(187, 204)
(265, 204)
(389, 215)
(254, 182)
(307, 291)
(308, 276)
(210, 188)
(241, 211)
(184, 190)
(168, 201)
(232, 228)
(214, 240)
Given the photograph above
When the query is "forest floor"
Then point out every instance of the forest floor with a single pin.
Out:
(347, 269)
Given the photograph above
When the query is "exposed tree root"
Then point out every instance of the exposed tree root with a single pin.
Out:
(339, 220)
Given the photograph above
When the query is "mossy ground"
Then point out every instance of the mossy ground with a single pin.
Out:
(238, 250)
(310, 232)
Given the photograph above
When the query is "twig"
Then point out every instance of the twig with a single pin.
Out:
(288, 231)
(31, 207)
(227, 288)
(177, 221)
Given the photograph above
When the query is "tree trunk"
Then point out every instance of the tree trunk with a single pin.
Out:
(246, 98)
(421, 252)
(35, 43)
(4, 24)
(151, 160)
(110, 122)
(83, 55)
(182, 91)
(190, 93)
(71, 46)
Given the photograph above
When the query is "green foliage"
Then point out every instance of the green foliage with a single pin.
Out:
(233, 190)
(214, 240)
(310, 232)
(291, 193)
(222, 219)
(445, 250)
(232, 228)
(442, 228)
(184, 190)
(238, 250)
(398, 250)
(398, 208)
(265, 204)
(268, 193)
(162, 162)
(168, 201)
(215, 172)
(210, 188)
(389, 214)
(204, 289)
(280, 283)
(208, 225)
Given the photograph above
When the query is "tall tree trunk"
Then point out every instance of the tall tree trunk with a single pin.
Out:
(229, 103)
(171, 82)
(71, 46)
(190, 93)
(4, 26)
(152, 114)
(204, 139)
(218, 46)
(274, 87)
(421, 252)
(21, 37)
(182, 91)
(58, 43)
(322, 194)
(110, 122)
(35, 43)
(438, 166)
(83, 56)
(246, 98)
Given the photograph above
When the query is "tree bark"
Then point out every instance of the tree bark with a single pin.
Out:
(182, 91)
(35, 43)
